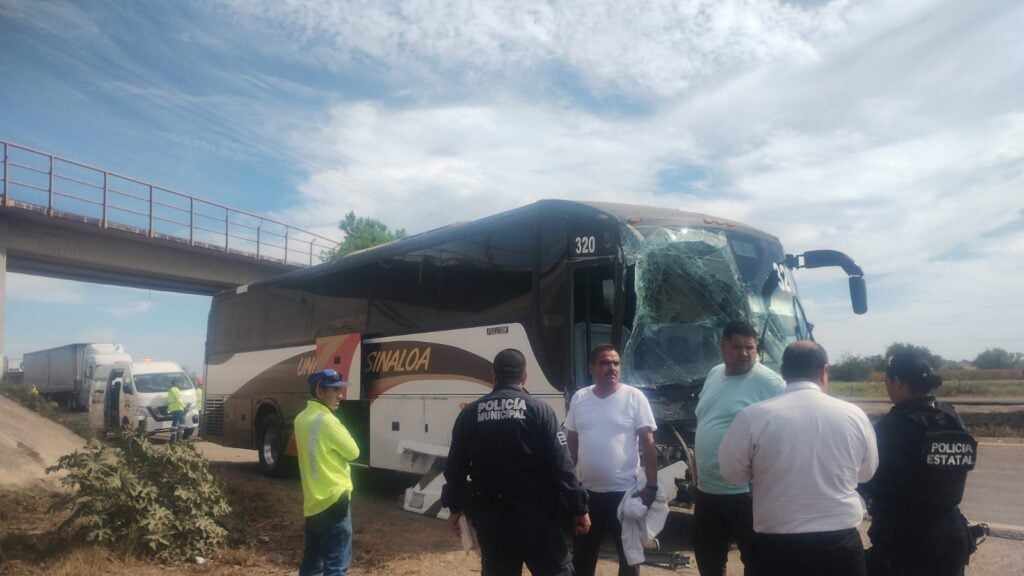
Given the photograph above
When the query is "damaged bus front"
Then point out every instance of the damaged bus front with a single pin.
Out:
(681, 280)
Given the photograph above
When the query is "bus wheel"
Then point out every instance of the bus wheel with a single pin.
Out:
(271, 446)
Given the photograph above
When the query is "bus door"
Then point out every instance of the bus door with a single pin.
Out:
(593, 254)
(112, 401)
(595, 298)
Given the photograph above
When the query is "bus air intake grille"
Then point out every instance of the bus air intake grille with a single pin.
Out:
(213, 419)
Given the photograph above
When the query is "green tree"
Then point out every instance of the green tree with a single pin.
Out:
(997, 358)
(361, 233)
(933, 360)
(853, 368)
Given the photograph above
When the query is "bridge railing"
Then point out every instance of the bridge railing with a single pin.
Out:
(59, 187)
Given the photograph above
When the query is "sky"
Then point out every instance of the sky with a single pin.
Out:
(892, 130)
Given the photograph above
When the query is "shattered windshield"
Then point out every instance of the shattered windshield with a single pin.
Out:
(688, 283)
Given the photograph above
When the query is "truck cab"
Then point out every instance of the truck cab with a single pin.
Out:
(136, 396)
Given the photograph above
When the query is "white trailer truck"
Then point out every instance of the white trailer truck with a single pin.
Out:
(64, 374)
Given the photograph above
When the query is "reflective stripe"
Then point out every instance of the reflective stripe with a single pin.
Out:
(314, 442)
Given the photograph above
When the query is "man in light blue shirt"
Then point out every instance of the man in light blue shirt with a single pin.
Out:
(723, 512)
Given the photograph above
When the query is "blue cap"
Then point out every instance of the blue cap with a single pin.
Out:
(326, 378)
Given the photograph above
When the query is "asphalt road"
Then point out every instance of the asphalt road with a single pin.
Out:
(995, 489)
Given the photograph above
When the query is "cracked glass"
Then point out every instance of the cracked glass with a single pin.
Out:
(688, 283)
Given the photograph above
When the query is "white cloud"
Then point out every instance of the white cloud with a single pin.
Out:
(130, 308)
(98, 334)
(880, 136)
(890, 129)
(659, 47)
(42, 289)
(439, 165)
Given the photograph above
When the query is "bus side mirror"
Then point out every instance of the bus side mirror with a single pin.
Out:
(858, 294)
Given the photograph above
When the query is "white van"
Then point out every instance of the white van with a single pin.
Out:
(136, 396)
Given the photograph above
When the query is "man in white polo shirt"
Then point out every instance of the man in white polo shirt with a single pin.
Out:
(609, 425)
(804, 453)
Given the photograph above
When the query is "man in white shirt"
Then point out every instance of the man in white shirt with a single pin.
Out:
(804, 453)
(609, 423)
(723, 512)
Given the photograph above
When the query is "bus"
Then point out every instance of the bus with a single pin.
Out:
(413, 325)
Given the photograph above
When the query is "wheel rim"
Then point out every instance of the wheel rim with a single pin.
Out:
(270, 445)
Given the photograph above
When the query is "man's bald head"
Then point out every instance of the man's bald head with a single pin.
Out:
(804, 360)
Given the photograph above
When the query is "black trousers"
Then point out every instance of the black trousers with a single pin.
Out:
(922, 544)
(836, 553)
(510, 536)
(719, 519)
(604, 519)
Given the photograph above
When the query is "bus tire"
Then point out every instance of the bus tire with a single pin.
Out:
(271, 446)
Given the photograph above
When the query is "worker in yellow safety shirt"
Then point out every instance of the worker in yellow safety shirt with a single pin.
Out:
(325, 449)
(176, 408)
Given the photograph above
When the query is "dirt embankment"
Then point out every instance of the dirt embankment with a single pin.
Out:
(29, 443)
(266, 523)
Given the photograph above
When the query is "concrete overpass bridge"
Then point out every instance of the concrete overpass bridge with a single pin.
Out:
(65, 219)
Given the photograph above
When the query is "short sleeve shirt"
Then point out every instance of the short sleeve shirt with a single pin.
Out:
(609, 452)
(721, 399)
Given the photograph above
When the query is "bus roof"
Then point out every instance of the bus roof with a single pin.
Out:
(631, 216)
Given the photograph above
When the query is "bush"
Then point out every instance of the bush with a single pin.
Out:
(22, 393)
(997, 358)
(147, 500)
(853, 368)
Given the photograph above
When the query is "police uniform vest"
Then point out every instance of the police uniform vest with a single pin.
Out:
(947, 454)
(514, 453)
(915, 520)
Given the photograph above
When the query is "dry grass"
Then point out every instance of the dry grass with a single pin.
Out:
(987, 431)
(995, 424)
(949, 389)
(237, 556)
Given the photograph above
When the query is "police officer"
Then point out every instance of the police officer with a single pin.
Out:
(925, 453)
(510, 446)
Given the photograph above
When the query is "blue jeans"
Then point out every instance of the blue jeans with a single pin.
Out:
(177, 423)
(328, 546)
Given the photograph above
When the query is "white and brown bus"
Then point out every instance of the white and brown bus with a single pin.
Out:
(413, 325)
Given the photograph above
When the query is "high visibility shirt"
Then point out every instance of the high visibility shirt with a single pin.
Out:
(325, 448)
(199, 398)
(174, 401)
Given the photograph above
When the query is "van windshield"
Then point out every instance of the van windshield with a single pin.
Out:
(162, 382)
